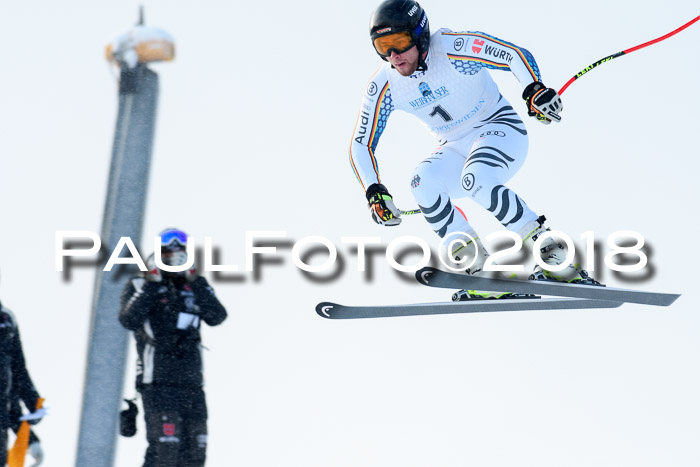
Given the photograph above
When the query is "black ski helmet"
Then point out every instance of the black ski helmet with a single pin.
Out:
(393, 16)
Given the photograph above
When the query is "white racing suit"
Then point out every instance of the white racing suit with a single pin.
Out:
(482, 141)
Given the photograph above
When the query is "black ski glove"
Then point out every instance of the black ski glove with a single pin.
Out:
(543, 103)
(381, 204)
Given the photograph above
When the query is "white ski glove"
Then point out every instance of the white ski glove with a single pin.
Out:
(381, 204)
(37, 453)
(543, 103)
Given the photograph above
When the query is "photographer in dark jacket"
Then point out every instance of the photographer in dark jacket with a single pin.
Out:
(165, 311)
(15, 382)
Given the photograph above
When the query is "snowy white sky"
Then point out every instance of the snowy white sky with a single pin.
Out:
(255, 118)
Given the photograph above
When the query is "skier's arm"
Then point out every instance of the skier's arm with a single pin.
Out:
(371, 121)
(210, 308)
(137, 299)
(472, 50)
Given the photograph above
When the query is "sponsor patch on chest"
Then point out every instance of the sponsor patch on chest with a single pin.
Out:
(428, 96)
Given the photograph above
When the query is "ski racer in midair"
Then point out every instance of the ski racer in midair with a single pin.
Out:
(443, 79)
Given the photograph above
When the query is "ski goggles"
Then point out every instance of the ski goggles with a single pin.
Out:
(399, 42)
(171, 237)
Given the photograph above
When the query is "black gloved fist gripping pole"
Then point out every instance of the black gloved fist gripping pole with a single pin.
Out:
(543, 103)
(381, 204)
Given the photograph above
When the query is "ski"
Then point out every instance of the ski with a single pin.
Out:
(331, 310)
(436, 278)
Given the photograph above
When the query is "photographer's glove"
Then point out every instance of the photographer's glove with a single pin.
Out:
(37, 453)
(543, 103)
(153, 274)
(382, 206)
(191, 274)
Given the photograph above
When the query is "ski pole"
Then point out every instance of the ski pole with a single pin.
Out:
(410, 212)
(628, 51)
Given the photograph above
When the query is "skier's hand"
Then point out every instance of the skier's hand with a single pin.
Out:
(543, 103)
(37, 453)
(34, 417)
(381, 204)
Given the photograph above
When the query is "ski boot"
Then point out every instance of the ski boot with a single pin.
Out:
(552, 253)
(466, 251)
(468, 295)
(462, 253)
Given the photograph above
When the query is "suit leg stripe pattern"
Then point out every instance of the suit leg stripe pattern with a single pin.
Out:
(511, 208)
(490, 153)
(506, 116)
(437, 221)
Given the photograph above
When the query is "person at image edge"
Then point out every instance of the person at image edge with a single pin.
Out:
(16, 385)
